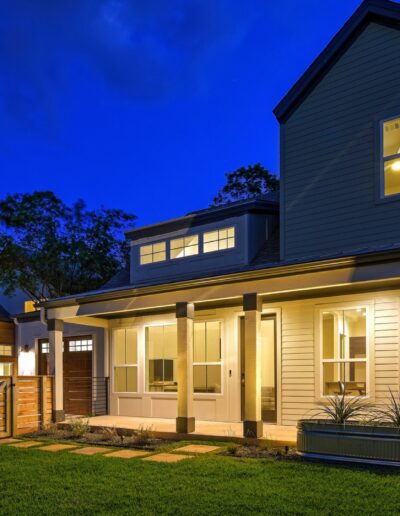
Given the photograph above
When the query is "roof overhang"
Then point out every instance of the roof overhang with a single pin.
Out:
(381, 11)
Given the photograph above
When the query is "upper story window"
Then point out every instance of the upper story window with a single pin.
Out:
(186, 246)
(344, 352)
(153, 253)
(6, 350)
(219, 240)
(391, 156)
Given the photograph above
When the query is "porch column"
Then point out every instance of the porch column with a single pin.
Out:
(55, 328)
(252, 424)
(185, 422)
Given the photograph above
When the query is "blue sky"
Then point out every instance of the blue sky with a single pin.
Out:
(144, 105)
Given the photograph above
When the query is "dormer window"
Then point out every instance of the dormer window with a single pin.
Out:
(391, 157)
(153, 253)
(219, 240)
(186, 246)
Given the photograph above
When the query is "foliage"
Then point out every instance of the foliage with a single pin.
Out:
(110, 434)
(143, 435)
(79, 427)
(341, 409)
(49, 249)
(391, 412)
(245, 183)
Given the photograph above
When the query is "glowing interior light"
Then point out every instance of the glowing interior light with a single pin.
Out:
(396, 166)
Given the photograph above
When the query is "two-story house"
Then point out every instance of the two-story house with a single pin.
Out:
(256, 311)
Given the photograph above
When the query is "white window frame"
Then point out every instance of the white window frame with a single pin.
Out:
(219, 239)
(369, 355)
(220, 363)
(184, 247)
(80, 340)
(383, 159)
(126, 366)
(153, 253)
(172, 394)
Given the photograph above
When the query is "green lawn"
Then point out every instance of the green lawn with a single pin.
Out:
(37, 482)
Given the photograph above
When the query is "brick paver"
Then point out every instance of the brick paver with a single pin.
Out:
(57, 447)
(91, 450)
(127, 454)
(168, 457)
(198, 448)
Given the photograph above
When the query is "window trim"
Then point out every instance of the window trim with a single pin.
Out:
(383, 159)
(217, 230)
(152, 244)
(370, 352)
(221, 363)
(114, 365)
(184, 247)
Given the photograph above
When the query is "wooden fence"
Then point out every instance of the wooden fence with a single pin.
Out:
(25, 404)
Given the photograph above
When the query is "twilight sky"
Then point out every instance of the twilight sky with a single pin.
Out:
(145, 104)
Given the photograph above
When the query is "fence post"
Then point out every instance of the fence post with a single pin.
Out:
(14, 404)
(8, 410)
(43, 398)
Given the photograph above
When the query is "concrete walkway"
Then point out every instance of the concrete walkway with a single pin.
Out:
(209, 430)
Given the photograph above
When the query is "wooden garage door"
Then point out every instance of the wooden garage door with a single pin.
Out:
(77, 362)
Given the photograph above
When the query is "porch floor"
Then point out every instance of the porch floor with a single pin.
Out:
(209, 430)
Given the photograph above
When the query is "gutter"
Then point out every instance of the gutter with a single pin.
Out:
(264, 273)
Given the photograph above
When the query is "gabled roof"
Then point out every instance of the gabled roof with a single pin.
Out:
(381, 11)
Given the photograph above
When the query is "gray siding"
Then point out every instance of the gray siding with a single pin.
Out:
(330, 153)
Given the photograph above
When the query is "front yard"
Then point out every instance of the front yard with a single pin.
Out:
(38, 482)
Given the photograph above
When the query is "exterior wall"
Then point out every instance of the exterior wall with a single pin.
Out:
(250, 235)
(213, 407)
(330, 154)
(30, 333)
(7, 336)
(298, 361)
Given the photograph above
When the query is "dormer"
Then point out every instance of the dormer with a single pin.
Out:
(208, 242)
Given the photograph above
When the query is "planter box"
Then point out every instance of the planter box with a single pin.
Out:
(350, 442)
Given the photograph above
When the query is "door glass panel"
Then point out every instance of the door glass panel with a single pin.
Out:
(213, 342)
(268, 374)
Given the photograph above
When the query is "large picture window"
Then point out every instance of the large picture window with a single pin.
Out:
(219, 240)
(6, 369)
(391, 156)
(344, 352)
(161, 358)
(207, 357)
(125, 360)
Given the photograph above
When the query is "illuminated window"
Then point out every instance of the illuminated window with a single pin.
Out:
(344, 352)
(6, 350)
(391, 156)
(125, 360)
(219, 240)
(29, 306)
(161, 358)
(44, 347)
(186, 246)
(6, 369)
(153, 253)
(207, 357)
(80, 345)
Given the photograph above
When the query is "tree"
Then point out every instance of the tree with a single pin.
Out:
(49, 249)
(245, 183)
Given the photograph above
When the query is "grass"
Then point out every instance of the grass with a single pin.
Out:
(36, 482)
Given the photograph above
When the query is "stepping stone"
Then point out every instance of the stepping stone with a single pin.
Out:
(127, 454)
(198, 448)
(90, 450)
(26, 444)
(168, 457)
(57, 447)
(9, 440)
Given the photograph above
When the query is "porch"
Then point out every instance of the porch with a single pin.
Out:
(205, 430)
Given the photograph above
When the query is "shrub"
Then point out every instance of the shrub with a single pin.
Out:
(143, 435)
(79, 427)
(232, 449)
(391, 412)
(50, 428)
(109, 434)
(341, 409)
